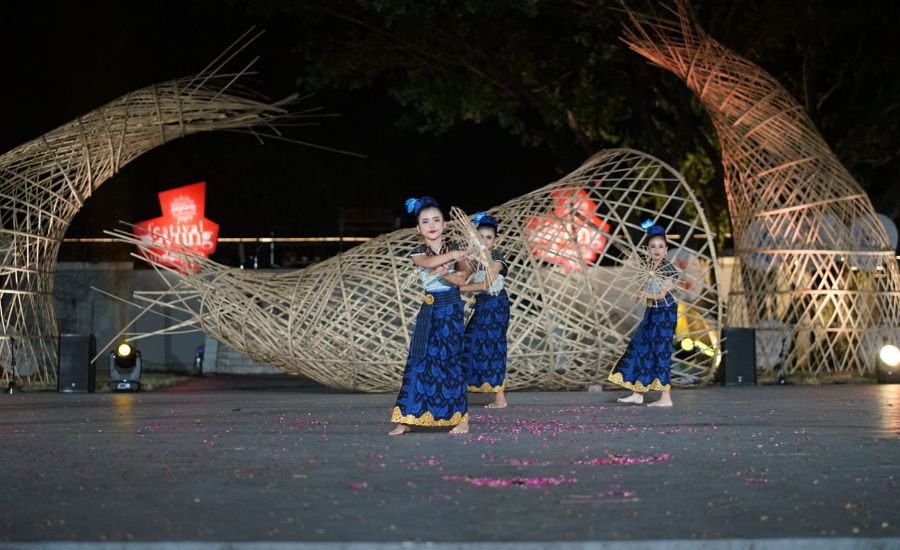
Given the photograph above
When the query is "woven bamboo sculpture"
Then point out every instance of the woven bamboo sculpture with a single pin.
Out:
(346, 322)
(44, 182)
(817, 278)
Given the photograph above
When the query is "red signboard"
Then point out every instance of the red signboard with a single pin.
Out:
(573, 236)
(182, 226)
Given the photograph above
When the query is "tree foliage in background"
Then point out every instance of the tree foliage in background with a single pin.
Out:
(554, 74)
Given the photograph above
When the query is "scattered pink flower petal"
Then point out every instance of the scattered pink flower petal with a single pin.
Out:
(513, 482)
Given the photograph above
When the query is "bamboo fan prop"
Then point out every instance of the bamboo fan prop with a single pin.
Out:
(638, 270)
(463, 231)
(817, 277)
(346, 322)
(45, 182)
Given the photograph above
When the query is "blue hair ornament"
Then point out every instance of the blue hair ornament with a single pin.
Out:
(653, 230)
(414, 206)
(656, 231)
(481, 218)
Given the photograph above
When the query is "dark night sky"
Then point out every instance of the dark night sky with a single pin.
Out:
(61, 60)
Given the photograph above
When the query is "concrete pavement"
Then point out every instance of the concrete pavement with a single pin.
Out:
(280, 462)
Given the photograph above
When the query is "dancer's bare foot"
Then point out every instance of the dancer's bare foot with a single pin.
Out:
(635, 398)
(499, 402)
(664, 401)
(461, 428)
(399, 430)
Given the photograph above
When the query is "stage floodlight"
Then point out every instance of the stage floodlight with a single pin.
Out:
(125, 356)
(887, 372)
(125, 369)
(890, 355)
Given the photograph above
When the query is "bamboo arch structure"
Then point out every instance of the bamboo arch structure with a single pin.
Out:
(346, 321)
(43, 184)
(817, 278)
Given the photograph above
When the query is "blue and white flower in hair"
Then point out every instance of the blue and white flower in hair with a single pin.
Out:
(414, 206)
(478, 217)
(647, 225)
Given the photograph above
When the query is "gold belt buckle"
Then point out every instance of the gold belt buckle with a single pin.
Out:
(650, 303)
(429, 299)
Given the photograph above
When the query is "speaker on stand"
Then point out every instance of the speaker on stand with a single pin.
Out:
(739, 360)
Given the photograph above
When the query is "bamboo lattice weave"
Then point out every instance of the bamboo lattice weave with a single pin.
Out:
(817, 278)
(347, 321)
(44, 182)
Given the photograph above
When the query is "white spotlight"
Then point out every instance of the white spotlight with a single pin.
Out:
(890, 355)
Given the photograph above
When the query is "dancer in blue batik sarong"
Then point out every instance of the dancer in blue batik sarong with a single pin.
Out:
(433, 392)
(646, 363)
(484, 341)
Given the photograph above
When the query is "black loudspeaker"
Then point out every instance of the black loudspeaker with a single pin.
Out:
(739, 361)
(77, 372)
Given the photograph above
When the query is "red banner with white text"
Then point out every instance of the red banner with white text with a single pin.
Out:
(572, 235)
(182, 226)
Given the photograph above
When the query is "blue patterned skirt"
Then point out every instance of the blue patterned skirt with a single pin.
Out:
(433, 392)
(484, 344)
(647, 361)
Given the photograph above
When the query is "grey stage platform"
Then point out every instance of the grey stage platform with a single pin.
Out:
(270, 462)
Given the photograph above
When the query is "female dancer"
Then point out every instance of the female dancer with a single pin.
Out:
(646, 363)
(484, 341)
(433, 392)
